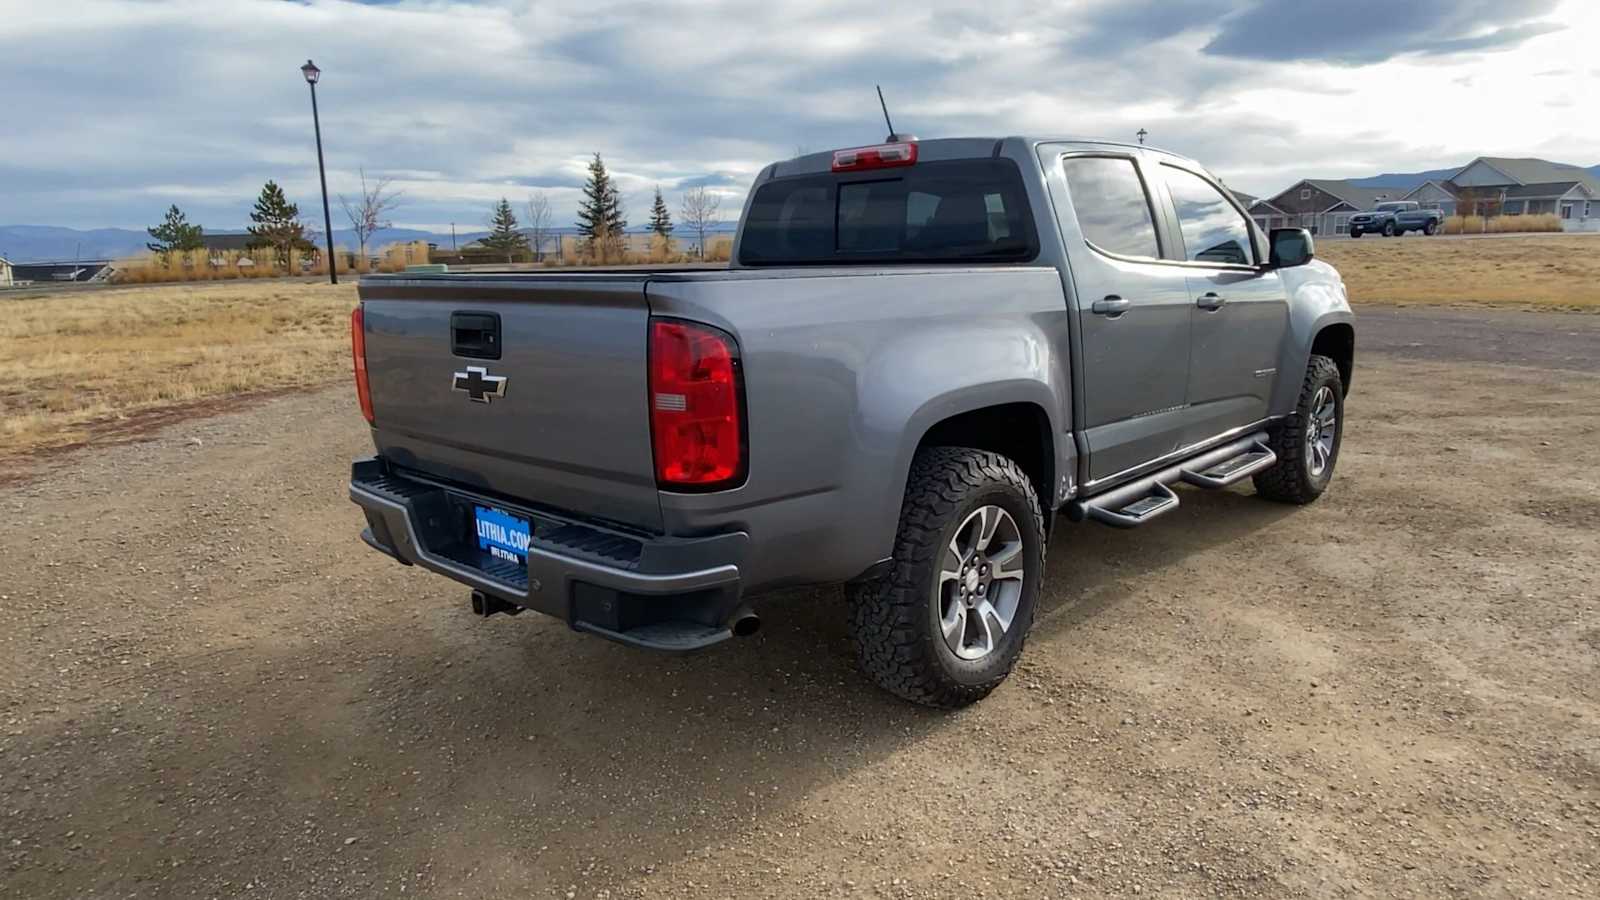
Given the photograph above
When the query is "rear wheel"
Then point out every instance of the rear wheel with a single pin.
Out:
(1307, 440)
(1431, 228)
(946, 624)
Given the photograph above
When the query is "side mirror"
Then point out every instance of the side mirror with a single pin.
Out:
(1291, 247)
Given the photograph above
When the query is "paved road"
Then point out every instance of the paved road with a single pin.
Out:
(1508, 337)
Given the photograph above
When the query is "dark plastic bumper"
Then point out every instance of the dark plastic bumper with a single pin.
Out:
(657, 593)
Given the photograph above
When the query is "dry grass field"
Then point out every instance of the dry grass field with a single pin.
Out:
(1557, 272)
(81, 365)
(93, 366)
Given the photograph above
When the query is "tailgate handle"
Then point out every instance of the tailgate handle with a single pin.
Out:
(475, 334)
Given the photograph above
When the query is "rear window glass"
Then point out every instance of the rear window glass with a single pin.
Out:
(957, 211)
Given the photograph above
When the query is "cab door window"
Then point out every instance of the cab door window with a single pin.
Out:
(1213, 229)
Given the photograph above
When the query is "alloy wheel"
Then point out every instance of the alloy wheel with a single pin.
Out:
(980, 582)
(1321, 430)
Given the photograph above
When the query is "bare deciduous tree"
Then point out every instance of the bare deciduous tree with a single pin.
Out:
(539, 220)
(699, 210)
(370, 211)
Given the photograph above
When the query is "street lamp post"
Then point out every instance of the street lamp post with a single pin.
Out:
(312, 73)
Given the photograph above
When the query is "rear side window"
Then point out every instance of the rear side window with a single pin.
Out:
(957, 211)
(1213, 231)
(1112, 207)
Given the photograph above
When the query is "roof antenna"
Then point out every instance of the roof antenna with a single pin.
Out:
(893, 137)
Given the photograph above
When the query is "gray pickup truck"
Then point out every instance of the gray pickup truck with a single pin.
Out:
(922, 352)
(1395, 218)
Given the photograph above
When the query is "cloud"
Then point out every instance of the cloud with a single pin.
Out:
(715, 179)
(462, 102)
(1355, 32)
(1111, 27)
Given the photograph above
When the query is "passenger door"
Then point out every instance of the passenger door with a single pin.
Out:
(1133, 311)
(1240, 314)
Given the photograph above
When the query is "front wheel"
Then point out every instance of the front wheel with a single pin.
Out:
(1307, 440)
(1388, 229)
(1355, 233)
(946, 624)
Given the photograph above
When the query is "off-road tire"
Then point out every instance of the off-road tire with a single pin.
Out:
(893, 619)
(1291, 480)
(1388, 229)
(1356, 234)
(1430, 229)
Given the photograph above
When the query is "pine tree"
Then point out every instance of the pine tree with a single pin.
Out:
(660, 218)
(175, 234)
(277, 224)
(504, 235)
(600, 215)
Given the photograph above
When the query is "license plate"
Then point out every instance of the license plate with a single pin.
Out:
(502, 535)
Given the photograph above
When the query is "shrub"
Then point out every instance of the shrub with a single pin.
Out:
(1543, 222)
(221, 265)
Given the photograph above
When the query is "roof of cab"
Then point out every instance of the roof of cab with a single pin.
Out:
(941, 149)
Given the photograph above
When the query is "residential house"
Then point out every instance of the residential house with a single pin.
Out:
(226, 242)
(1487, 186)
(1494, 185)
(1319, 205)
(1440, 195)
(223, 250)
(242, 248)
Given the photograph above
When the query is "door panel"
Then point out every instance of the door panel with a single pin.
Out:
(1232, 362)
(1240, 313)
(1134, 361)
(1135, 365)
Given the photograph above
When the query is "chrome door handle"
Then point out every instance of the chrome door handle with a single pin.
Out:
(1112, 306)
(1211, 300)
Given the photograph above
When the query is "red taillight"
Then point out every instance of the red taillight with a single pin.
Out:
(358, 350)
(881, 156)
(695, 415)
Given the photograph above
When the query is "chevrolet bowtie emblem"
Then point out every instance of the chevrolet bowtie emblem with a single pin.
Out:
(478, 384)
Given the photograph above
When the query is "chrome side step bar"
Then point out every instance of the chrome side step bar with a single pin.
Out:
(1137, 502)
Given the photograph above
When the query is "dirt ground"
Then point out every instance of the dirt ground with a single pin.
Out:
(210, 688)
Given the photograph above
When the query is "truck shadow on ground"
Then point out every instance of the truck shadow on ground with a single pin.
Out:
(506, 752)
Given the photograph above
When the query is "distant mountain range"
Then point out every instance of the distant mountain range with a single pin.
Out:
(28, 243)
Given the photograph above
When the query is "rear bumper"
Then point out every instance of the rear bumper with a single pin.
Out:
(652, 592)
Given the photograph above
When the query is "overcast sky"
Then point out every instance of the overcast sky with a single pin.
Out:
(115, 109)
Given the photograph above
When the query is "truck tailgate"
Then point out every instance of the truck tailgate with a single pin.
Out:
(568, 428)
